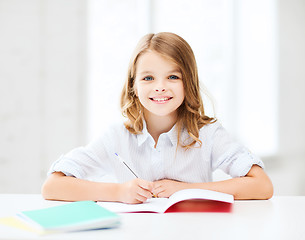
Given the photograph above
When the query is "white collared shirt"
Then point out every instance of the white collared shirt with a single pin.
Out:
(97, 161)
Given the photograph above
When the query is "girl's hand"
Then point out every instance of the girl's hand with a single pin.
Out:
(135, 191)
(165, 188)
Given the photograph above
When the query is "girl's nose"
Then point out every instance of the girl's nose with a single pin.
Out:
(160, 89)
(160, 85)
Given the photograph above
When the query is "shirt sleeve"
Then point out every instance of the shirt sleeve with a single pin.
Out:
(231, 156)
(96, 161)
(80, 163)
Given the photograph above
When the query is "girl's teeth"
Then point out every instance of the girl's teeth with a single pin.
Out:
(160, 99)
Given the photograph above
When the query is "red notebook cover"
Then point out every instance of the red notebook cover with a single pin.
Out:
(200, 205)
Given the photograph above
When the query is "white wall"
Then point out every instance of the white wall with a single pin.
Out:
(256, 75)
(43, 91)
(287, 168)
(42, 101)
(292, 77)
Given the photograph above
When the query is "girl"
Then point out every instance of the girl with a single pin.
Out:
(168, 141)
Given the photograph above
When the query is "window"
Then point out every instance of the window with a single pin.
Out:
(235, 46)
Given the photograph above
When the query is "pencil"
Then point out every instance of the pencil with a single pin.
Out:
(123, 161)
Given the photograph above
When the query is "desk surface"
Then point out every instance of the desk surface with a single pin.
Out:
(278, 218)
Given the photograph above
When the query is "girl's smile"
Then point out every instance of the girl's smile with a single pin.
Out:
(161, 99)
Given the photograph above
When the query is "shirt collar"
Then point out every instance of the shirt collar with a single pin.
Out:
(142, 137)
(171, 134)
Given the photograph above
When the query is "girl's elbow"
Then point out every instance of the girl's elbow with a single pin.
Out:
(268, 189)
(45, 191)
(270, 192)
(49, 187)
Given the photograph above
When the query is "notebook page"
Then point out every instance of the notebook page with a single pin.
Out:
(156, 205)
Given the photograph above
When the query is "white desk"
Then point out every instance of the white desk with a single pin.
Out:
(278, 218)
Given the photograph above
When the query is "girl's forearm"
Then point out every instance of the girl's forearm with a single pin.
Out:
(60, 187)
(255, 185)
(240, 188)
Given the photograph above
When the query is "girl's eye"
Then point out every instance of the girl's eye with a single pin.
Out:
(173, 77)
(148, 78)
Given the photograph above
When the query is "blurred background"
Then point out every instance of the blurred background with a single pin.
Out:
(63, 64)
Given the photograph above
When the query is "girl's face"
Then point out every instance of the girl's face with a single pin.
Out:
(158, 85)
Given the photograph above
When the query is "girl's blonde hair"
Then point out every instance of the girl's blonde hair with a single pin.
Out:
(191, 112)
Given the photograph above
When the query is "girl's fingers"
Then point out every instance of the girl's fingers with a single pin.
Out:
(141, 198)
(145, 184)
(162, 194)
(159, 192)
(144, 193)
(141, 190)
(157, 189)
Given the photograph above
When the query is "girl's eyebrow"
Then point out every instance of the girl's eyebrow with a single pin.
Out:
(175, 70)
(169, 72)
(146, 72)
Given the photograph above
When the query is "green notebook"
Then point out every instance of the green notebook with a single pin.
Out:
(82, 215)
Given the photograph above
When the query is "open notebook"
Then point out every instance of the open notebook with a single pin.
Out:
(188, 200)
